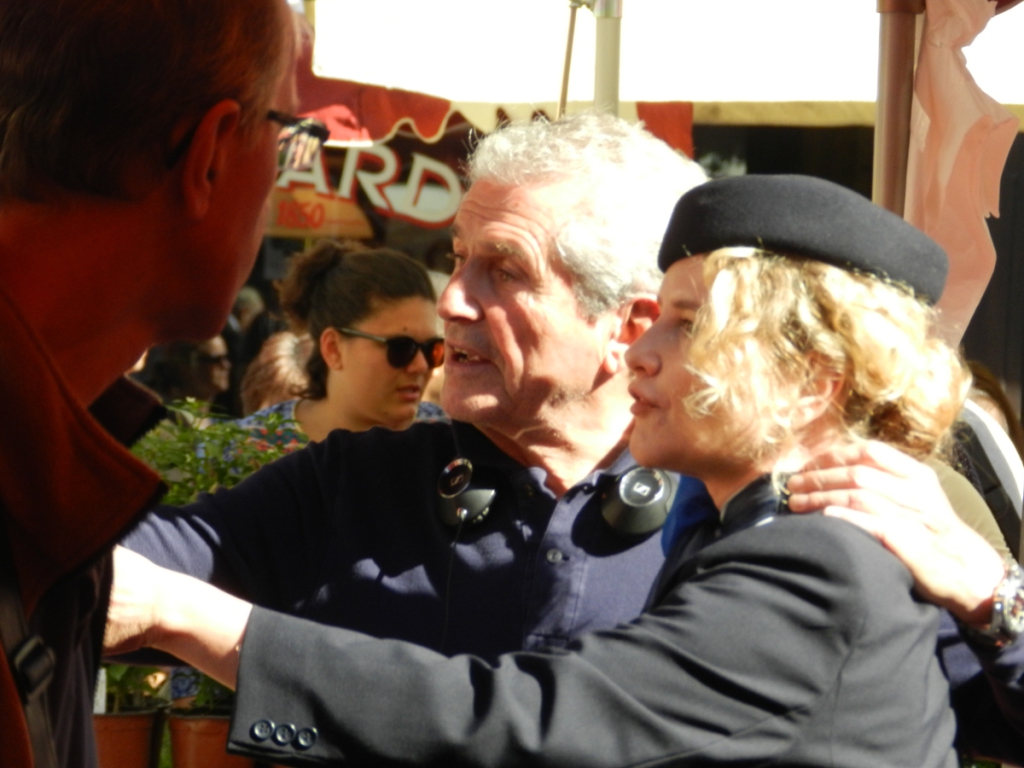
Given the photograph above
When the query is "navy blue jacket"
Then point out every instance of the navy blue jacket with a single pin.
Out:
(346, 532)
(784, 641)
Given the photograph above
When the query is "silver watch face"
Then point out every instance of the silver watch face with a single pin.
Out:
(1013, 602)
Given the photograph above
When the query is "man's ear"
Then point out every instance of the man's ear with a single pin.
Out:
(207, 154)
(630, 322)
(331, 349)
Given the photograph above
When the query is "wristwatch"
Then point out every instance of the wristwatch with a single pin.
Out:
(1007, 609)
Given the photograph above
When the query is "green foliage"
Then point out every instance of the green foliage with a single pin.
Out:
(212, 696)
(195, 453)
(130, 688)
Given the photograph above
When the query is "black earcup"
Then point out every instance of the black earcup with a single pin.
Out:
(638, 501)
(461, 503)
(469, 507)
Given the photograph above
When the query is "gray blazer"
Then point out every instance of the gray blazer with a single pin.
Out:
(784, 641)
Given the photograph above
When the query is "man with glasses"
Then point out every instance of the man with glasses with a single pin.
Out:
(138, 144)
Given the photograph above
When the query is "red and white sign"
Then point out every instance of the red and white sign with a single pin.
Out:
(428, 197)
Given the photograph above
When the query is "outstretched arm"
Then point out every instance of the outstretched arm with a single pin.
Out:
(723, 667)
(153, 607)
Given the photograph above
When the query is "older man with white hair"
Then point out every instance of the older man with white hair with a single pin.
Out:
(555, 249)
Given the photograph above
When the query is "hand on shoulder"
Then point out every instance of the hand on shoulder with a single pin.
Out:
(899, 501)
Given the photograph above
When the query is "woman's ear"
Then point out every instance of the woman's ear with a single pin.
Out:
(628, 324)
(822, 393)
(331, 349)
(207, 155)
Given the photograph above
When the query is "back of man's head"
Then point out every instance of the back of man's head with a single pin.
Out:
(625, 181)
(94, 92)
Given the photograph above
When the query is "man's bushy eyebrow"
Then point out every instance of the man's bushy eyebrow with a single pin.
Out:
(500, 247)
(508, 250)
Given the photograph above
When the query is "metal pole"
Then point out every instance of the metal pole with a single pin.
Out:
(897, 35)
(564, 97)
(606, 55)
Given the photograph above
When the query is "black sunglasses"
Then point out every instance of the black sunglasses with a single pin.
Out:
(401, 350)
(298, 144)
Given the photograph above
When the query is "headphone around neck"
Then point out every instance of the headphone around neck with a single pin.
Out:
(634, 503)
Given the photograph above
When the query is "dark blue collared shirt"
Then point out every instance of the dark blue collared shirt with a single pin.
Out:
(347, 532)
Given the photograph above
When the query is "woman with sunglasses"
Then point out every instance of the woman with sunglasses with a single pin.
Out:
(200, 370)
(372, 317)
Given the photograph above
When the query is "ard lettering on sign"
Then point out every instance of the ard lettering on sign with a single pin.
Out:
(305, 200)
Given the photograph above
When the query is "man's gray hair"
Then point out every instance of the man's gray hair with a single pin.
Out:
(628, 183)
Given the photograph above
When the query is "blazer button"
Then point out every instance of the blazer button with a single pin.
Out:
(284, 734)
(306, 738)
(261, 730)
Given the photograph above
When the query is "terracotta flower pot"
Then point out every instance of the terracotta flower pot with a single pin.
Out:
(124, 740)
(200, 741)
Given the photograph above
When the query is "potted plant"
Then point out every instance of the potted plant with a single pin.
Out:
(196, 453)
(129, 731)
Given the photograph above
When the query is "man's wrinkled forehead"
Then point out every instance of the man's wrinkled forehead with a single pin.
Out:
(497, 219)
(492, 245)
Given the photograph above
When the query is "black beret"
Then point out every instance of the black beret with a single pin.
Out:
(809, 217)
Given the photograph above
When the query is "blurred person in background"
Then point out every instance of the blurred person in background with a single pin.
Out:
(278, 373)
(372, 318)
(248, 305)
(991, 436)
(432, 394)
(988, 392)
(185, 369)
(260, 327)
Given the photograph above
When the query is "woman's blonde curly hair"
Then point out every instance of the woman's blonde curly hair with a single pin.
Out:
(774, 324)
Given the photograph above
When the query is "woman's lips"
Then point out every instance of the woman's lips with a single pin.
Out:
(640, 408)
(410, 394)
(641, 405)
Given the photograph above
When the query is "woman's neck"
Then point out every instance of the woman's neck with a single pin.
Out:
(314, 417)
(816, 438)
(318, 418)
